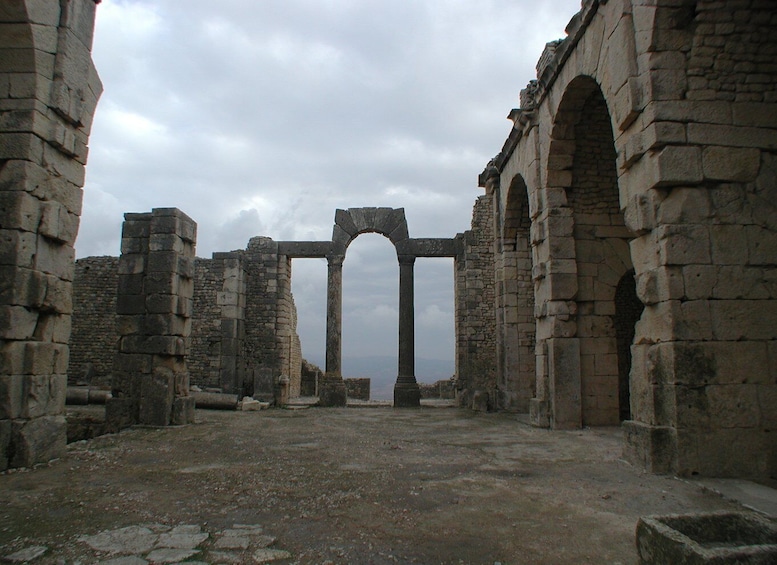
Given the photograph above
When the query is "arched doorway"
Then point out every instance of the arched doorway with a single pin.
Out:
(583, 154)
(515, 298)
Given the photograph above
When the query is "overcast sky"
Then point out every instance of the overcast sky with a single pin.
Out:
(261, 117)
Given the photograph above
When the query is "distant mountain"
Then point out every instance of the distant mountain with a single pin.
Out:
(382, 370)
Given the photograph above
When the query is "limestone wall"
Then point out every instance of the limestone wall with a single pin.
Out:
(475, 316)
(48, 93)
(648, 142)
(205, 358)
(93, 339)
(221, 340)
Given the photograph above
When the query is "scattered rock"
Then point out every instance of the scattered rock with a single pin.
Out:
(26, 555)
(129, 560)
(266, 555)
(170, 555)
(129, 540)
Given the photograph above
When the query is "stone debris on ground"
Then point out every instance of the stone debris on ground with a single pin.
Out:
(161, 544)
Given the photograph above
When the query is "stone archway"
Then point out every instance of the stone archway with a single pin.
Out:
(515, 302)
(349, 224)
(589, 246)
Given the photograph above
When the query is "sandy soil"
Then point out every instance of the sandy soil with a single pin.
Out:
(369, 485)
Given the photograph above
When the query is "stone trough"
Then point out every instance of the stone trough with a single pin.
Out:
(720, 538)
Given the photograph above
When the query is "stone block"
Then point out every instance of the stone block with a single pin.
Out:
(724, 538)
(164, 325)
(38, 440)
(130, 304)
(734, 406)
(162, 262)
(685, 205)
(54, 328)
(20, 211)
(17, 248)
(57, 223)
(17, 322)
(157, 392)
(564, 381)
(761, 245)
(731, 164)
(121, 413)
(653, 448)
(183, 411)
(132, 264)
(5, 442)
(767, 405)
(683, 244)
(729, 244)
(731, 136)
(22, 287)
(675, 165)
(645, 253)
(129, 284)
(735, 320)
(11, 396)
(55, 258)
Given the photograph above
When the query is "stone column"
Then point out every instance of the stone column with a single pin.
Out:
(47, 99)
(406, 390)
(154, 304)
(332, 388)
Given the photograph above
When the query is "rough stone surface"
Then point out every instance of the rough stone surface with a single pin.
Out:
(347, 486)
(639, 147)
(49, 90)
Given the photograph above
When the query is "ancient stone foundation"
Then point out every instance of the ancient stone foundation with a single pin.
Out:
(154, 308)
(48, 92)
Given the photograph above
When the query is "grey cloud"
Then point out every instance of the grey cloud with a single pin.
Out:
(262, 118)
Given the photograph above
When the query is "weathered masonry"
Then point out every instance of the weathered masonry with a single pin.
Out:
(244, 340)
(635, 234)
(48, 92)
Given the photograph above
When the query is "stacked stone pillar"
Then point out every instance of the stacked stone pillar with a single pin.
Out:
(156, 269)
(332, 390)
(407, 394)
(232, 302)
(48, 92)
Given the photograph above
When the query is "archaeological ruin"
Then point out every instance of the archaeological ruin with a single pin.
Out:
(620, 269)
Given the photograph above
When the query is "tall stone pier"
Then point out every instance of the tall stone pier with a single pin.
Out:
(154, 307)
(48, 93)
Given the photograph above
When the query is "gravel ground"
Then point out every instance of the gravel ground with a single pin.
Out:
(350, 485)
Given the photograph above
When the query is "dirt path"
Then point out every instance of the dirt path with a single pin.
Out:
(353, 486)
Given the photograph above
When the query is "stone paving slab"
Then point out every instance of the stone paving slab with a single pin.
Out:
(162, 544)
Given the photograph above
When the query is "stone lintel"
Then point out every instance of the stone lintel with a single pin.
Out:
(304, 249)
(434, 247)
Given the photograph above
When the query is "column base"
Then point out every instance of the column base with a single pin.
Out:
(539, 415)
(407, 393)
(331, 392)
(654, 448)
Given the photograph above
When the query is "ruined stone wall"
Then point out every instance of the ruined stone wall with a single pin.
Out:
(150, 378)
(271, 343)
(358, 388)
(476, 317)
(684, 94)
(93, 339)
(48, 93)
(204, 361)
